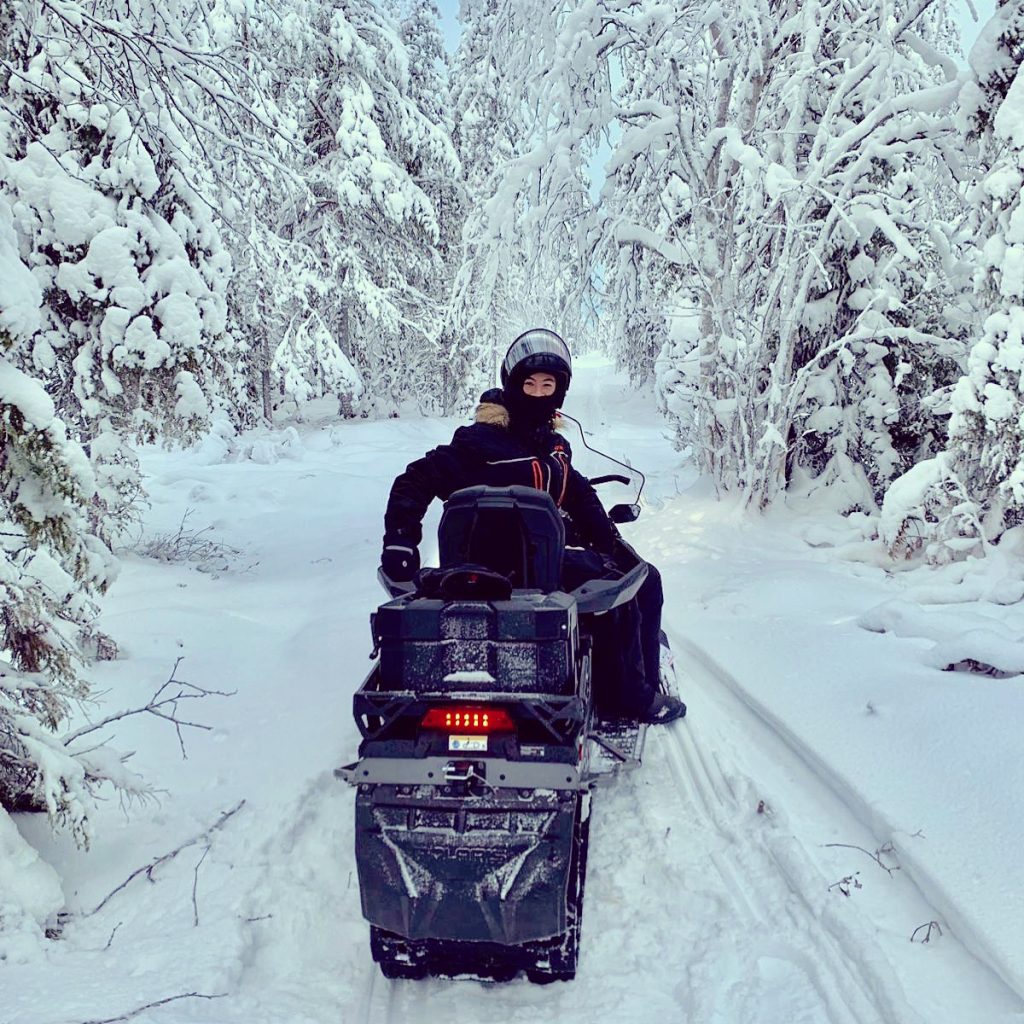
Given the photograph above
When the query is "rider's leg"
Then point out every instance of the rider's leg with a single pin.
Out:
(649, 601)
(621, 686)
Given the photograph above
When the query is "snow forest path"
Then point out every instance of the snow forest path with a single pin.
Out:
(731, 880)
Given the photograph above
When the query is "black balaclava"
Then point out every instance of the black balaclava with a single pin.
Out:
(530, 413)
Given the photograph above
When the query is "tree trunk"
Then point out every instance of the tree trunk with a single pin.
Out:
(345, 344)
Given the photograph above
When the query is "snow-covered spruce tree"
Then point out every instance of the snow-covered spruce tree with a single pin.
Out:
(269, 274)
(279, 280)
(118, 120)
(368, 226)
(430, 91)
(970, 493)
(51, 569)
(644, 208)
(891, 390)
(488, 131)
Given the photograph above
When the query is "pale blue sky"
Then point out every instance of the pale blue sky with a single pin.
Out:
(985, 8)
(449, 22)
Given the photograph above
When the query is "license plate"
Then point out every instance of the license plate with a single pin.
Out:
(467, 743)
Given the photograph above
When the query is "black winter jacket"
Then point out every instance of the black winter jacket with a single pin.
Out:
(488, 452)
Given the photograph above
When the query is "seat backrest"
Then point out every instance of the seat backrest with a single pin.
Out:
(515, 531)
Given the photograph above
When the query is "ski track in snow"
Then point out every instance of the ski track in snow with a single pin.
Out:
(700, 906)
(767, 880)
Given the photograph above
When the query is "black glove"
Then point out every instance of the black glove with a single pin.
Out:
(400, 561)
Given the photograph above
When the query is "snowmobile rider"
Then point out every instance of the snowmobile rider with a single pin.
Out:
(513, 441)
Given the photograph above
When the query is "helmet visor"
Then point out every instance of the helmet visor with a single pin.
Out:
(533, 343)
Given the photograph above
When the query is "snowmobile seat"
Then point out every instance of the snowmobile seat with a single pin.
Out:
(493, 613)
(514, 531)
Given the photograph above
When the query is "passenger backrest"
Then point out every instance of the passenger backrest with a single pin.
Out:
(516, 531)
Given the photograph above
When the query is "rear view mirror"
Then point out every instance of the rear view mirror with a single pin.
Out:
(624, 513)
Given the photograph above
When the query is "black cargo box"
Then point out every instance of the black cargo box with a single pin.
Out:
(527, 644)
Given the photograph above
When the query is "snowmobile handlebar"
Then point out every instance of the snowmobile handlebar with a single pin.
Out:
(617, 513)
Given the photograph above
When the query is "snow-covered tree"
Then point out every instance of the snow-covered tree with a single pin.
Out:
(808, 196)
(119, 120)
(51, 570)
(421, 34)
(488, 132)
(368, 227)
(781, 169)
(521, 262)
(972, 491)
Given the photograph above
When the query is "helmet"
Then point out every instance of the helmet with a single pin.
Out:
(537, 351)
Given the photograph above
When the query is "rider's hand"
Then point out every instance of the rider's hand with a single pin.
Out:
(400, 561)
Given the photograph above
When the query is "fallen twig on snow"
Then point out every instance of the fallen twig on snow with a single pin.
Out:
(195, 885)
(929, 927)
(148, 869)
(157, 1002)
(848, 884)
(887, 849)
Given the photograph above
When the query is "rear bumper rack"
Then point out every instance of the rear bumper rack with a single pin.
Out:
(492, 772)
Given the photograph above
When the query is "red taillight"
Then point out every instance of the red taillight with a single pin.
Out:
(468, 720)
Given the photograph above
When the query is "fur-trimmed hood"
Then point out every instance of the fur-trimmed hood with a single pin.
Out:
(494, 414)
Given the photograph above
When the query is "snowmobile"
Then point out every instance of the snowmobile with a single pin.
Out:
(480, 748)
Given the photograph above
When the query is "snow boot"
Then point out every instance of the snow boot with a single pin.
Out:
(662, 709)
(665, 706)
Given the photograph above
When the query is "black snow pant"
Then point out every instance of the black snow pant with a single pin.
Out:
(627, 656)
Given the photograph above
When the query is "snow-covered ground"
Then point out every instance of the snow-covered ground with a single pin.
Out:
(832, 791)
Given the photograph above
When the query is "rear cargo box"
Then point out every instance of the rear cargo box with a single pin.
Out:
(525, 645)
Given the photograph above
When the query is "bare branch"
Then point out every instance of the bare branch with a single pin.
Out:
(163, 704)
(148, 869)
(915, 12)
(195, 886)
(929, 927)
(848, 884)
(157, 1002)
(886, 849)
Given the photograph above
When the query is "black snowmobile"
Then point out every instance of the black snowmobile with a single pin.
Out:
(480, 748)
